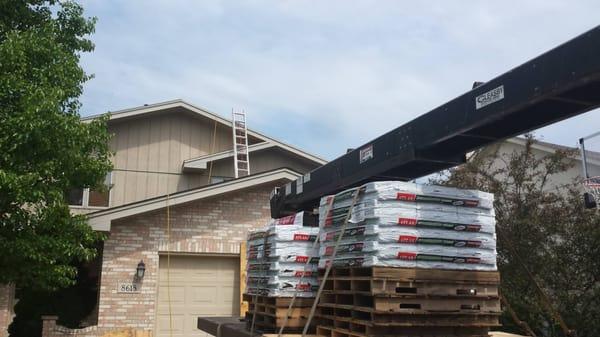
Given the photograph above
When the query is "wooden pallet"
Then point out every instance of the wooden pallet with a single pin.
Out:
(381, 286)
(415, 274)
(412, 317)
(410, 303)
(325, 331)
(383, 301)
(271, 312)
(266, 321)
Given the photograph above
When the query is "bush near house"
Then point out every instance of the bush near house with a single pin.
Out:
(546, 239)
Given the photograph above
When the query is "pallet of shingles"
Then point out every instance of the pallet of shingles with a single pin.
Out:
(271, 311)
(387, 301)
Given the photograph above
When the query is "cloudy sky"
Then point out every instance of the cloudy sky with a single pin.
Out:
(321, 75)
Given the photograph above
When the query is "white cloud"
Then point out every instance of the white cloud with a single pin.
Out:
(323, 75)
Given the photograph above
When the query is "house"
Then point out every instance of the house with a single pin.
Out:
(175, 208)
(541, 149)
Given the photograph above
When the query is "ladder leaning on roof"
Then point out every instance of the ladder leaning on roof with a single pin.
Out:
(241, 161)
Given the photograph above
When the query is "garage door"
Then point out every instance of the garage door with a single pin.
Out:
(199, 286)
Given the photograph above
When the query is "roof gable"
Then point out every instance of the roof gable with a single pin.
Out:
(158, 107)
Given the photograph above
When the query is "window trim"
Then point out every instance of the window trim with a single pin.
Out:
(86, 196)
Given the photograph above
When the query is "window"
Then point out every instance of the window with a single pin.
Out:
(86, 197)
(75, 197)
(100, 198)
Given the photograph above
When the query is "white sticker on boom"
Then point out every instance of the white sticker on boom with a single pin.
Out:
(299, 185)
(489, 97)
(288, 188)
(365, 154)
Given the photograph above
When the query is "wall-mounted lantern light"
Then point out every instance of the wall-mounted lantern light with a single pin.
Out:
(140, 270)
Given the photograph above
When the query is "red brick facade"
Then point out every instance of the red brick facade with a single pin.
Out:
(216, 226)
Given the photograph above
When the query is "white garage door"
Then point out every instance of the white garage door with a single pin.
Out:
(199, 286)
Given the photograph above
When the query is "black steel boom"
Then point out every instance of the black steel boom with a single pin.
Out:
(556, 85)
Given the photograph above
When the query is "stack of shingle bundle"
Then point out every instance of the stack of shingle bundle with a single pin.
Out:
(414, 260)
(277, 257)
(401, 224)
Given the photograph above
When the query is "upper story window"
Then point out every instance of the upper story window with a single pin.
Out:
(86, 197)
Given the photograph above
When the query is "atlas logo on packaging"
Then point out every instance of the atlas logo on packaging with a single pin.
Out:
(489, 97)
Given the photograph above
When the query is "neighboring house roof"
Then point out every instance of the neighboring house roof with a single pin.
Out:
(592, 156)
(157, 107)
(101, 220)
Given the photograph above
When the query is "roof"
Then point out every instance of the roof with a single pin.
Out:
(101, 220)
(178, 103)
(592, 156)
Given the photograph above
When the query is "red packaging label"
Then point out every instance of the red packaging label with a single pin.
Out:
(407, 256)
(286, 220)
(472, 260)
(407, 239)
(471, 203)
(407, 222)
(473, 228)
(406, 196)
(301, 259)
(299, 273)
(303, 286)
(301, 237)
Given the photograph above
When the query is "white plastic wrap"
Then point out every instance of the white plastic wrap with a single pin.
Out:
(409, 251)
(282, 286)
(282, 269)
(279, 293)
(406, 191)
(437, 263)
(281, 249)
(421, 236)
(308, 234)
(399, 213)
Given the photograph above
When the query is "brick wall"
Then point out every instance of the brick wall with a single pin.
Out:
(216, 225)
(7, 293)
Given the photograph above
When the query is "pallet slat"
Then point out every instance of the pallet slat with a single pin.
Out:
(384, 301)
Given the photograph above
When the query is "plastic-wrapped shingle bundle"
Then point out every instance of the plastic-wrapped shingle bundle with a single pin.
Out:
(402, 224)
(277, 257)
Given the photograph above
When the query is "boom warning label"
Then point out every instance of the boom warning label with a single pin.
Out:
(489, 97)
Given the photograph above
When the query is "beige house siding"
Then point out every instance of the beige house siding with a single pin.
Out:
(149, 153)
(571, 176)
(150, 150)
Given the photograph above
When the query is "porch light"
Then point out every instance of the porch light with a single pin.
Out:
(140, 270)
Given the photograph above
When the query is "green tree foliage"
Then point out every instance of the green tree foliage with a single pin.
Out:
(44, 148)
(544, 231)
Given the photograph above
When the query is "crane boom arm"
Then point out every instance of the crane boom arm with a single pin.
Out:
(561, 83)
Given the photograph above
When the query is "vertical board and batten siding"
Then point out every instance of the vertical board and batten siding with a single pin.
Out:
(149, 152)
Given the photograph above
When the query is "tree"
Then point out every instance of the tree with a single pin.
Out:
(44, 147)
(548, 243)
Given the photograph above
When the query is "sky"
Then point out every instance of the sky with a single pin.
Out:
(324, 76)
